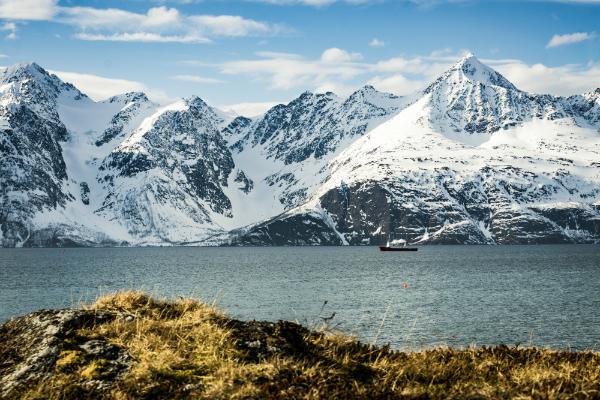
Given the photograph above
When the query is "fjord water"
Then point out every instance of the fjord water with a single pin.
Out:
(441, 295)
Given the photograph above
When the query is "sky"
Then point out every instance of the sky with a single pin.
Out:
(250, 54)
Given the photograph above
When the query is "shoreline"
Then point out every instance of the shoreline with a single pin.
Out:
(227, 246)
(130, 345)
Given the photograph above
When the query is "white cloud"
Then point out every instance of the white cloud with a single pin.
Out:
(376, 43)
(397, 83)
(562, 80)
(161, 16)
(249, 109)
(317, 3)
(164, 20)
(146, 37)
(230, 25)
(339, 71)
(276, 54)
(114, 18)
(414, 65)
(101, 88)
(163, 24)
(570, 38)
(285, 71)
(196, 79)
(11, 27)
(335, 55)
(27, 9)
(158, 24)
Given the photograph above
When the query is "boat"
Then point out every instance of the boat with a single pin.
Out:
(393, 246)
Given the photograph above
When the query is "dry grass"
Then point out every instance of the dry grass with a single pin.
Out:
(187, 349)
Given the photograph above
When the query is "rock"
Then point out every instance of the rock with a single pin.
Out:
(39, 345)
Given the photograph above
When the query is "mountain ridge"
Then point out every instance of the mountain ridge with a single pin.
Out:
(469, 159)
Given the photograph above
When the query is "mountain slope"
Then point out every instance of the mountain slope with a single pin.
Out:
(48, 156)
(166, 179)
(284, 153)
(32, 168)
(474, 160)
(470, 159)
(126, 171)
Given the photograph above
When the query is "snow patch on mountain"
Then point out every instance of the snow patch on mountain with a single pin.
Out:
(285, 152)
(470, 159)
(474, 160)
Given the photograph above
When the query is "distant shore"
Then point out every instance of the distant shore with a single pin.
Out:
(130, 345)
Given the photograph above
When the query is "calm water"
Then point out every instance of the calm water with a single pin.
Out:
(456, 295)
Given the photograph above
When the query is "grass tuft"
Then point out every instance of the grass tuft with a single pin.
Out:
(187, 349)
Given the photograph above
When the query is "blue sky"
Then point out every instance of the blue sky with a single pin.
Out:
(232, 52)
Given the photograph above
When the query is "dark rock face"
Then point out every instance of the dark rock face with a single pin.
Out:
(69, 235)
(135, 103)
(85, 193)
(236, 126)
(32, 168)
(293, 230)
(42, 344)
(246, 184)
(182, 161)
(127, 164)
(440, 210)
(374, 212)
(313, 125)
(454, 213)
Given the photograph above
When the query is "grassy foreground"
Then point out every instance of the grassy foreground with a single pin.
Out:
(187, 349)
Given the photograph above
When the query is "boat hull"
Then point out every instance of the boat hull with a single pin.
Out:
(387, 248)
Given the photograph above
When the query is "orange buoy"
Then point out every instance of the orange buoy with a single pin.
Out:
(405, 285)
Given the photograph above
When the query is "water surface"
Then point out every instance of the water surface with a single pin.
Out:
(456, 295)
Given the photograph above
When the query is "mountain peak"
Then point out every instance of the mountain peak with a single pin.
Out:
(44, 81)
(469, 68)
(365, 90)
(470, 64)
(475, 70)
(370, 92)
(195, 101)
(25, 70)
(309, 97)
(468, 56)
(128, 97)
(370, 97)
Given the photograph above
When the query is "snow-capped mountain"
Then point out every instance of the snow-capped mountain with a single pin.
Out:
(469, 159)
(473, 98)
(32, 166)
(127, 171)
(166, 179)
(473, 160)
(284, 153)
(48, 174)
